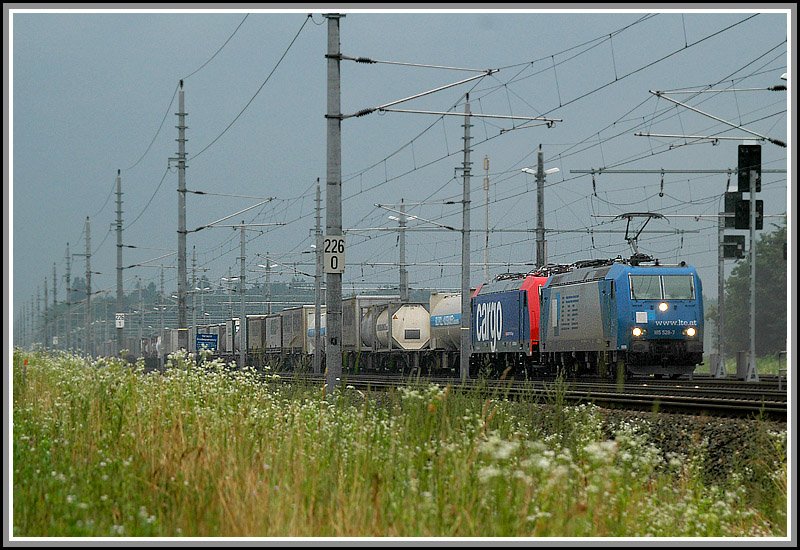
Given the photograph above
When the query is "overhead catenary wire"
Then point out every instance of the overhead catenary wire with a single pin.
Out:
(562, 155)
(231, 238)
(227, 195)
(163, 177)
(158, 131)
(412, 145)
(655, 116)
(736, 126)
(110, 229)
(110, 192)
(220, 48)
(406, 64)
(659, 60)
(713, 197)
(524, 64)
(514, 195)
(175, 91)
(551, 110)
(601, 37)
(228, 127)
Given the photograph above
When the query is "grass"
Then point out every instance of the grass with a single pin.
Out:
(102, 449)
(765, 365)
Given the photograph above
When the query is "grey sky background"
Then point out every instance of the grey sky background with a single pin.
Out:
(90, 90)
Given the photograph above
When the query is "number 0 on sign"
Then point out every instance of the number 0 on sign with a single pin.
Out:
(333, 249)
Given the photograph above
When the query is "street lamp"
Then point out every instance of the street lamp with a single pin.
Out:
(402, 219)
(540, 173)
(548, 171)
(229, 280)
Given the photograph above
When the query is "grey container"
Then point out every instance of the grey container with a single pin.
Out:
(353, 309)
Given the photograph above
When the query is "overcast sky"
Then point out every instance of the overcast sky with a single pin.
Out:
(89, 93)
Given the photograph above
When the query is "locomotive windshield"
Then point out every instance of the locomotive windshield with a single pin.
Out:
(678, 287)
(645, 287)
(662, 287)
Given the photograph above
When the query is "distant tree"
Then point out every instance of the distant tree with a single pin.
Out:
(78, 290)
(770, 298)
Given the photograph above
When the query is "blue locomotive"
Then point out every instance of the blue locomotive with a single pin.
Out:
(617, 317)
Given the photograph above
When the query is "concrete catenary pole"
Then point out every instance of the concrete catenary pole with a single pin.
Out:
(161, 308)
(333, 199)
(203, 304)
(38, 318)
(267, 284)
(752, 371)
(720, 366)
(243, 314)
(541, 260)
(120, 294)
(194, 295)
(230, 297)
(465, 260)
(46, 339)
(486, 203)
(35, 324)
(22, 339)
(68, 327)
(403, 269)
(34, 317)
(317, 282)
(29, 325)
(141, 317)
(106, 340)
(55, 300)
(183, 335)
(88, 317)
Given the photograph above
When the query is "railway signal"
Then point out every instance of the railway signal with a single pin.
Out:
(732, 198)
(733, 246)
(749, 162)
(742, 215)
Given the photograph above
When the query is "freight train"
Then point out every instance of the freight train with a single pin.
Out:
(611, 318)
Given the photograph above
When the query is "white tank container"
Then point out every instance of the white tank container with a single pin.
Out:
(409, 325)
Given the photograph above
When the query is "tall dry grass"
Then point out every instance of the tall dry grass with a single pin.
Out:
(104, 449)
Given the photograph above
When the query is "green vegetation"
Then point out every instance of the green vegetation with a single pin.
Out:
(104, 449)
(771, 302)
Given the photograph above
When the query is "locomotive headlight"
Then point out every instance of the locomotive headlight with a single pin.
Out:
(663, 306)
(637, 331)
(691, 331)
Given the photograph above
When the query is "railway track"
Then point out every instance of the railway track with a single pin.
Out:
(699, 397)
